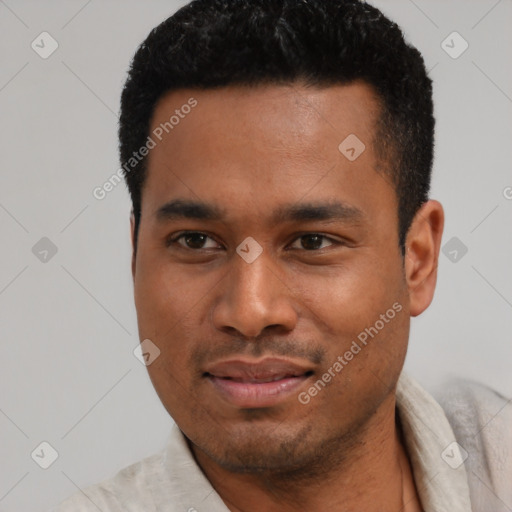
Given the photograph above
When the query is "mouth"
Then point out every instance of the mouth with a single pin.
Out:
(255, 384)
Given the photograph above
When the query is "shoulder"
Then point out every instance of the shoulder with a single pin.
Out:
(476, 411)
(129, 490)
(481, 419)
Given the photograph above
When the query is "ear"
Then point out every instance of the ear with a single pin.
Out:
(132, 233)
(423, 243)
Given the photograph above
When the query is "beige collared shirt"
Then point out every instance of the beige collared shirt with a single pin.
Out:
(171, 481)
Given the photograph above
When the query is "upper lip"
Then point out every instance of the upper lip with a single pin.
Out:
(264, 369)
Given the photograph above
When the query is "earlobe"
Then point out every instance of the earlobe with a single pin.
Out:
(422, 255)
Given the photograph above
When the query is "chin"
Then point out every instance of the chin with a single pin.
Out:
(260, 450)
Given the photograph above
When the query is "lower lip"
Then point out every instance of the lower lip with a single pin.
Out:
(252, 395)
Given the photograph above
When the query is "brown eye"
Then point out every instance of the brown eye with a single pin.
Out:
(312, 242)
(194, 240)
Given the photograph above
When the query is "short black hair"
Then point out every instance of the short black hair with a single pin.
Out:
(209, 44)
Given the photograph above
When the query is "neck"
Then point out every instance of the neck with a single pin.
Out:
(372, 474)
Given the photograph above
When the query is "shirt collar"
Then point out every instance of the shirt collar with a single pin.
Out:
(436, 460)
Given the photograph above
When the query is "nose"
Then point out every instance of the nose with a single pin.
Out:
(254, 297)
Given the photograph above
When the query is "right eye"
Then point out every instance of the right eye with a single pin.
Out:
(194, 240)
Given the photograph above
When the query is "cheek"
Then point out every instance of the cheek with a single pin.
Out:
(165, 313)
(163, 297)
(362, 311)
(170, 308)
(350, 296)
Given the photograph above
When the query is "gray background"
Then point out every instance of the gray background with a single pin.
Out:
(68, 325)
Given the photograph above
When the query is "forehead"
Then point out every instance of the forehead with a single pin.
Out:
(250, 146)
(275, 114)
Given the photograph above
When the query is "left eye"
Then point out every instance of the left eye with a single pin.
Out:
(313, 241)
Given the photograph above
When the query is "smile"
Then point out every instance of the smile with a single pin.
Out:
(265, 383)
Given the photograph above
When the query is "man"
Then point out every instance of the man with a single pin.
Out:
(278, 155)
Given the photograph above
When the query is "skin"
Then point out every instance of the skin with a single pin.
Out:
(250, 151)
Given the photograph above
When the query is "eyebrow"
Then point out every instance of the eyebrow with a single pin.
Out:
(178, 209)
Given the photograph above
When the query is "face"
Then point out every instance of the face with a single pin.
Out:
(268, 271)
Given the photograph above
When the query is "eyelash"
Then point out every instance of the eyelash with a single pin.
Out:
(174, 240)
